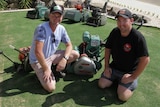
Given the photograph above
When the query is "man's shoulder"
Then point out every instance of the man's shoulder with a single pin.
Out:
(115, 29)
(43, 26)
(137, 33)
(115, 32)
(61, 26)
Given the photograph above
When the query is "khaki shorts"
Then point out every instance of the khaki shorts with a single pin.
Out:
(54, 59)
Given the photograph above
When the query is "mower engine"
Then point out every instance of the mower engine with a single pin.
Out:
(23, 57)
(23, 53)
(89, 62)
(90, 46)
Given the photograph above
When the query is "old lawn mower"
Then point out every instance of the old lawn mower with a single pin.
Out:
(38, 12)
(76, 14)
(99, 16)
(95, 17)
(24, 66)
(90, 56)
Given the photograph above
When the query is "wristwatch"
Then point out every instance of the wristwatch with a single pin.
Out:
(65, 57)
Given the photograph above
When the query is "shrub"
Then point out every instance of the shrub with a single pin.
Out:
(3, 4)
(24, 4)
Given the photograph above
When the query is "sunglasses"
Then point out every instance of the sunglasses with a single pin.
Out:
(53, 38)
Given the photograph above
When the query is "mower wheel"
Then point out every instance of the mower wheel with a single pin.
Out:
(98, 22)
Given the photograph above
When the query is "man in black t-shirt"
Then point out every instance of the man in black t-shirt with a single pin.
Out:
(129, 53)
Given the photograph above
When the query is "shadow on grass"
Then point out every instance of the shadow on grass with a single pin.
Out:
(84, 92)
(20, 83)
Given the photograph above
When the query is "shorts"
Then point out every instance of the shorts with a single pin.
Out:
(117, 75)
(54, 59)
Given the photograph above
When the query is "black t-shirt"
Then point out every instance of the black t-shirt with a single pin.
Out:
(126, 51)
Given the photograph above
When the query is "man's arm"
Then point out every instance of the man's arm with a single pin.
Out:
(68, 49)
(62, 63)
(40, 56)
(107, 58)
(143, 61)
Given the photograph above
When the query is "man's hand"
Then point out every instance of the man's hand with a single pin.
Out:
(127, 78)
(47, 76)
(108, 72)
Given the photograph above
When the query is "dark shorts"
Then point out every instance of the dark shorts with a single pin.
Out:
(117, 75)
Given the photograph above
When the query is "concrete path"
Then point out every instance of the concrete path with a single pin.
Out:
(138, 7)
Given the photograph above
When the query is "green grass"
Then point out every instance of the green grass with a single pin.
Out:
(24, 90)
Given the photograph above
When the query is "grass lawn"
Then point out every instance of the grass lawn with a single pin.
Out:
(24, 90)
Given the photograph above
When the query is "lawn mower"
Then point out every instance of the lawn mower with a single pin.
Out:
(77, 14)
(24, 66)
(90, 56)
(94, 17)
(99, 16)
(38, 12)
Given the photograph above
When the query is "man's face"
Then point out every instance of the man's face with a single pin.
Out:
(55, 18)
(124, 24)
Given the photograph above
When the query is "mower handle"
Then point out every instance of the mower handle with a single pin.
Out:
(11, 46)
(142, 21)
(1, 52)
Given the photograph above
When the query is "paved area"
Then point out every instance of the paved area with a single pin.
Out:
(151, 12)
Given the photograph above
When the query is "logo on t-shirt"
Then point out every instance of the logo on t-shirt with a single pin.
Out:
(127, 47)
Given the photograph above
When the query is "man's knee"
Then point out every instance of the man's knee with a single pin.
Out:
(124, 97)
(123, 93)
(103, 83)
(50, 89)
(50, 86)
(75, 54)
